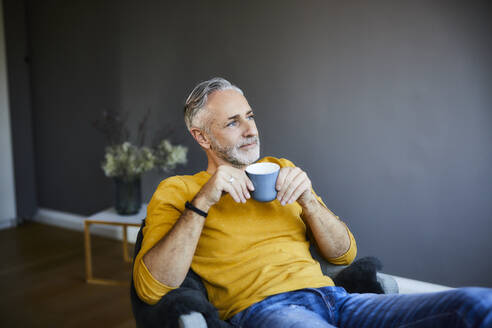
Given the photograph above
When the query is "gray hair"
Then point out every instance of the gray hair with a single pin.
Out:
(197, 99)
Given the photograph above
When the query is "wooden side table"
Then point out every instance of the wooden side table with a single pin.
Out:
(110, 217)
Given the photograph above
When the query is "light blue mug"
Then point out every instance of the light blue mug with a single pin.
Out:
(264, 178)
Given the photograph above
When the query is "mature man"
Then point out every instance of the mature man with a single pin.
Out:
(253, 257)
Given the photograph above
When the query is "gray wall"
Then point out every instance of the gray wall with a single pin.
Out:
(386, 105)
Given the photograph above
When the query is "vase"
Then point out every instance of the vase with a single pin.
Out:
(128, 196)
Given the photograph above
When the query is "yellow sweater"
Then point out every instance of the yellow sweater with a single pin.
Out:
(246, 252)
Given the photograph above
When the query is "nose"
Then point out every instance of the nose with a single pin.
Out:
(250, 129)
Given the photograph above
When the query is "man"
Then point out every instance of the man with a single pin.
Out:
(253, 257)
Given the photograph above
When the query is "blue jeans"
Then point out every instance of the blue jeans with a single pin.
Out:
(334, 307)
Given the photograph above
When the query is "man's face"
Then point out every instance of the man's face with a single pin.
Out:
(232, 133)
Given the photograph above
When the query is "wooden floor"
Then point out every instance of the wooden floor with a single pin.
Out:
(42, 280)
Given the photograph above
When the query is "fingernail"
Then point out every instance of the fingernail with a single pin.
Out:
(283, 203)
(248, 196)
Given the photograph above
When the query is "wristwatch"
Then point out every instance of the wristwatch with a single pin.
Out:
(190, 206)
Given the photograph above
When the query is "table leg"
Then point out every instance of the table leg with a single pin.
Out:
(88, 255)
(126, 257)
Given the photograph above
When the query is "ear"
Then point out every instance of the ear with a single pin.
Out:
(200, 137)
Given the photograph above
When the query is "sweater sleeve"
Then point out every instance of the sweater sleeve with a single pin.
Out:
(163, 211)
(349, 256)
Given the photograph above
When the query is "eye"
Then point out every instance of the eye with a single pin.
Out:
(231, 124)
(252, 117)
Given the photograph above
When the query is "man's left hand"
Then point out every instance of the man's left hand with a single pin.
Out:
(293, 185)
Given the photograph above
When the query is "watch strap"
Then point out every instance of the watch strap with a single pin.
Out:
(190, 206)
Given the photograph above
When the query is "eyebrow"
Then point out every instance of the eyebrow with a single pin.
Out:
(237, 115)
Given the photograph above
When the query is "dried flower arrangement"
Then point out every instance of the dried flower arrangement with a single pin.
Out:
(128, 161)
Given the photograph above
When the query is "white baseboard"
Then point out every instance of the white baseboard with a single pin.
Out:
(5, 224)
(76, 222)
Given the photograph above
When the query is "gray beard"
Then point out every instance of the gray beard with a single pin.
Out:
(234, 155)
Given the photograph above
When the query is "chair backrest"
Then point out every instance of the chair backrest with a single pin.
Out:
(138, 306)
(165, 312)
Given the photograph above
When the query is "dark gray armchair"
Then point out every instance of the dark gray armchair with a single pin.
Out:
(188, 306)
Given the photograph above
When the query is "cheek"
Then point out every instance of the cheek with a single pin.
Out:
(230, 138)
(253, 126)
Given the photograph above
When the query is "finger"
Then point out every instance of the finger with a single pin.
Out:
(249, 183)
(228, 186)
(244, 188)
(298, 192)
(241, 190)
(230, 189)
(281, 177)
(291, 174)
(294, 183)
(282, 181)
(236, 184)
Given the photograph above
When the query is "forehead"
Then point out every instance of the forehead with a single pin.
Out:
(226, 103)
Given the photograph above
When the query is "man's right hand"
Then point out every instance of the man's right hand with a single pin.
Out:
(226, 179)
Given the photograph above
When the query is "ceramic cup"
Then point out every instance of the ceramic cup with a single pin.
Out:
(264, 177)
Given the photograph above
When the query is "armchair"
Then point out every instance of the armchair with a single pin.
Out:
(188, 306)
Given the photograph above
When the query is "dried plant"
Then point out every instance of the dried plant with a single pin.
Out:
(127, 161)
(113, 127)
(142, 129)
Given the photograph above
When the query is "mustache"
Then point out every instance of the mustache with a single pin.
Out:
(249, 141)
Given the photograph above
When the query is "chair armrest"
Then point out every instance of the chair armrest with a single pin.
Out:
(192, 320)
(329, 269)
(389, 283)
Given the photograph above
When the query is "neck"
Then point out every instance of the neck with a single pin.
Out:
(214, 162)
